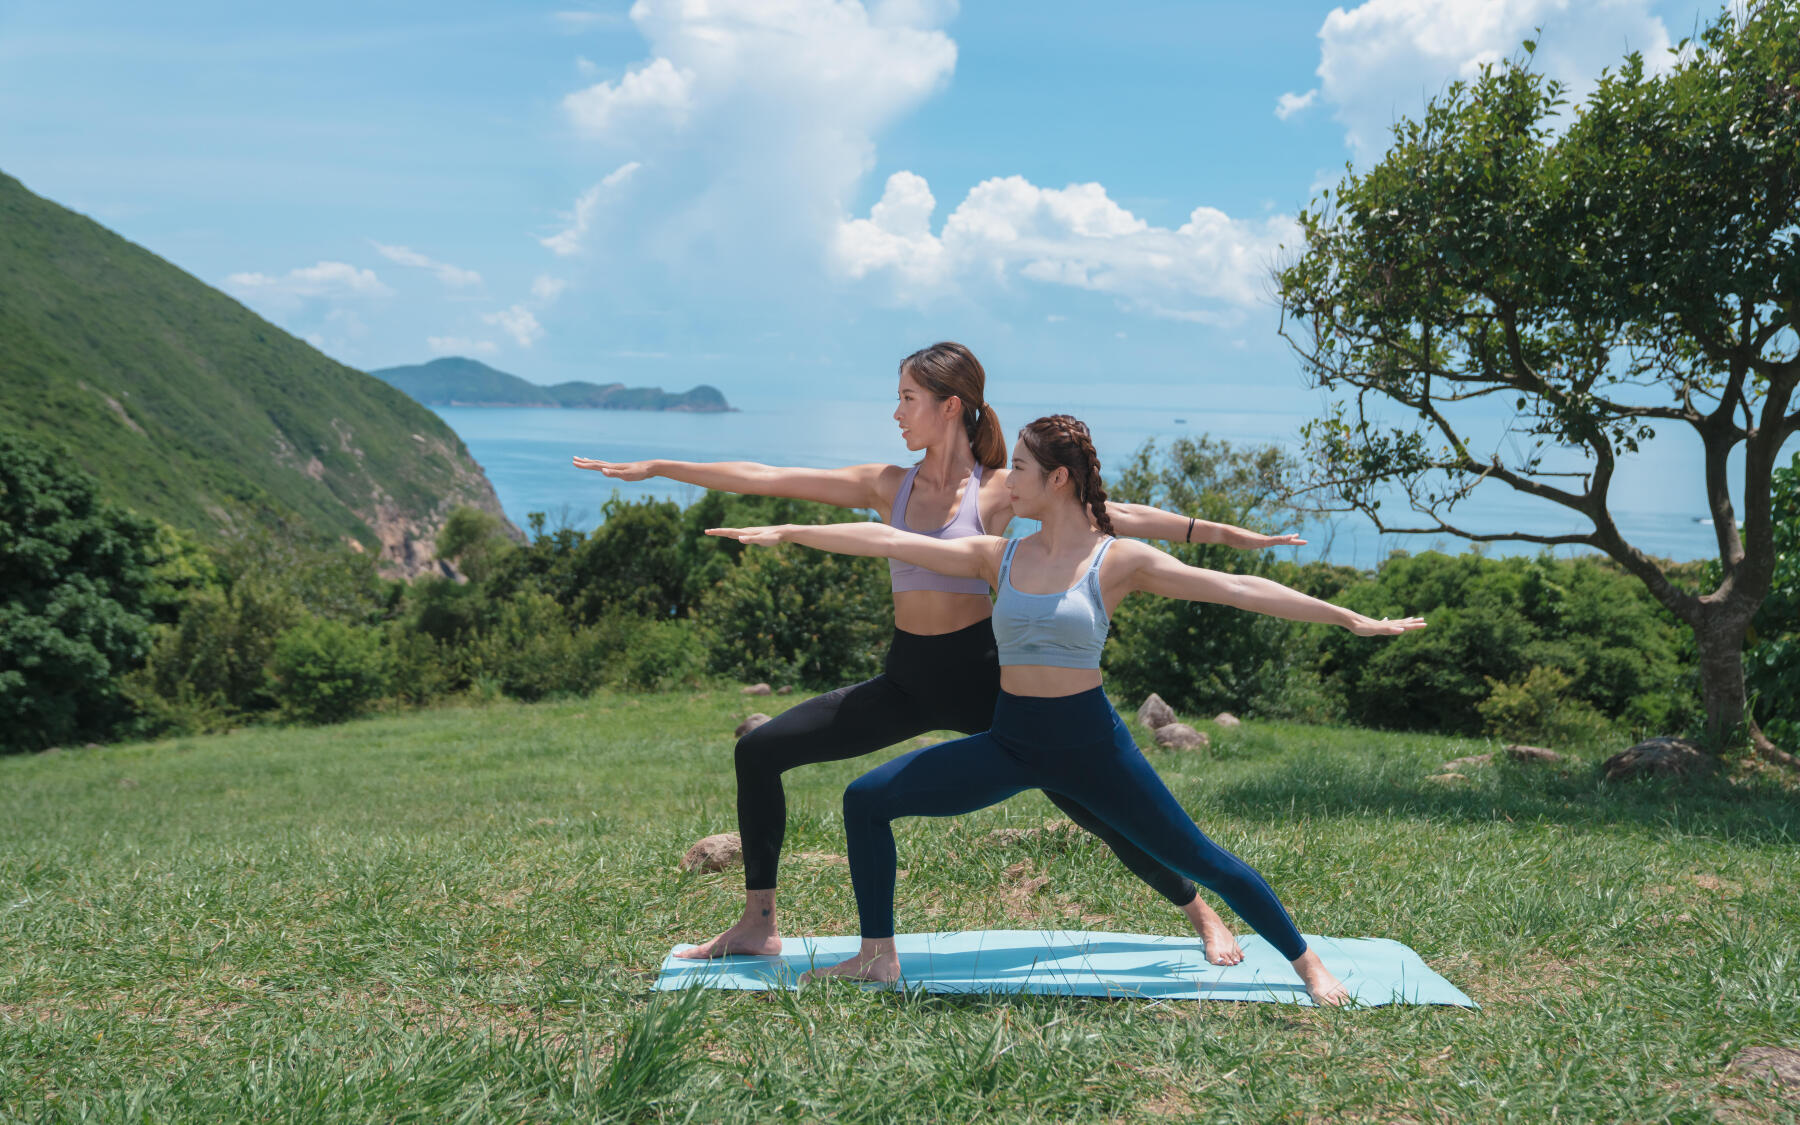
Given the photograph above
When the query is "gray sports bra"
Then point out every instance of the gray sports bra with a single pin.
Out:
(965, 521)
(1065, 630)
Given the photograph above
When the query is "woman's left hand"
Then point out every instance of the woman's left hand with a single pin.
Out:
(1386, 627)
(759, 535)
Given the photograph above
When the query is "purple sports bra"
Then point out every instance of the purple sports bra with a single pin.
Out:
(966, 521)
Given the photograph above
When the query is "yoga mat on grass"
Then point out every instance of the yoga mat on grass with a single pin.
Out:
(1085, 963)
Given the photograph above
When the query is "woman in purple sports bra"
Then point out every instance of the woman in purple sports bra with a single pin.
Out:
(942, 669)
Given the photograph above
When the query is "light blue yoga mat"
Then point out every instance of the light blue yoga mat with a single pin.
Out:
(1084, 963)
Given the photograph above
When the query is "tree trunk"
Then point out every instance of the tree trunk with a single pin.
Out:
(1721, 642)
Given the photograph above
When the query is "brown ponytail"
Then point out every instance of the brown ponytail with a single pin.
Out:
(1060, 441)
(946, 369)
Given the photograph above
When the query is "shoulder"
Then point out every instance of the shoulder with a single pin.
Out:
(1128, 556)
(884, 479)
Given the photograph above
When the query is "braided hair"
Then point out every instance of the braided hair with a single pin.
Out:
(1062, 441)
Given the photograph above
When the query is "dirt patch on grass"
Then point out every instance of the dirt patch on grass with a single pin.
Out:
(1519, 979)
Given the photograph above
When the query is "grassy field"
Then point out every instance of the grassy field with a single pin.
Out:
(455, 915)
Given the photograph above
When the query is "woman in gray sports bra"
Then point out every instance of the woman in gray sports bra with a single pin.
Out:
(1053, 727)
(941, 671)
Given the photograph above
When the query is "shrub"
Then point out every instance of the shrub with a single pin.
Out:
(327, 671)
(1539, 708)
(530, 651)
(75, 575)
(661, 655)
(790, 613)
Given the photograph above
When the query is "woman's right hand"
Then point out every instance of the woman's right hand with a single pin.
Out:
(619, 470)
(758, 535)
(1386, 627)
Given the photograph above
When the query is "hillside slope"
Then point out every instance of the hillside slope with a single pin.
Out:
(190, 407)
(456, 381)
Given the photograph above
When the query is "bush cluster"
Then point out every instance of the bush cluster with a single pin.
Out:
(114, 625)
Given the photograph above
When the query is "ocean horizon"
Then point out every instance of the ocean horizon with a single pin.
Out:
(1658, 497)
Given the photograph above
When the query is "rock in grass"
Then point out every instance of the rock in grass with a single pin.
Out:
(1448, 778)
(751, 722)
(1227, 719)
(1782, 1064)
(1154, 713)
(756, 689)
(784, 689)
(1656, 757)
(714, 853)
(1463, 763)
(1180, 736)
(1532, 754)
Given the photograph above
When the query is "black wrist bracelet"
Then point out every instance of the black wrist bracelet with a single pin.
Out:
(1189, 537)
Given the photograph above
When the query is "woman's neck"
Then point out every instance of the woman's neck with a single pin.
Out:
(947, 462)
(1067, 527)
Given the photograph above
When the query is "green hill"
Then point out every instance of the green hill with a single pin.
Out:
(455, 381)
(190, 407)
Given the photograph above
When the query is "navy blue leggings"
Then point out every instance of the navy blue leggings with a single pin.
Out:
(1073, 746)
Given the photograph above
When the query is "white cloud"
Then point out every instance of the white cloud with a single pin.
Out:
(586, 67)
(1206, 270)
(569, 240)
(459, 345)
(574, 21)
(326, 279)
(517, 322)
(757, 119)
(657, 88)
(1382, 59)
(1291, 103)
(453, 276)
(545, 288)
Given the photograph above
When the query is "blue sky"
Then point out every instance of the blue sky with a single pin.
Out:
(778, 197)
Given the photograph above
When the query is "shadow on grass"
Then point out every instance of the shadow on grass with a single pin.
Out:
(1750, 812)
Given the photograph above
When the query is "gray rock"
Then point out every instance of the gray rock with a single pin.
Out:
(1448, 778)
(756, 689)
(714, 853)
(1180, 736)
(1227, 719)
(1471, 760)
(1155, 713)
(784, 689)
(1656, 757)
(750, 723)
(1780, 1064)
(1532, 754)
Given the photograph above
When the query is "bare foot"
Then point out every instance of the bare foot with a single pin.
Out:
(1327, 991)
(876, 961)
(754, 934)
(1221, 944)
(739, 940)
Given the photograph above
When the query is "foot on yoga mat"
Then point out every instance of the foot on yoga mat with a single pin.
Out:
(1082, 963)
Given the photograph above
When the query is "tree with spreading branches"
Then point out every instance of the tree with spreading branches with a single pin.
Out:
(1535, 289)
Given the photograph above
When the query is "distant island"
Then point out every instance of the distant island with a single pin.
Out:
(456, 381)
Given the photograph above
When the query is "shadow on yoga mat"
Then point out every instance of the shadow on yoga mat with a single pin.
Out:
(1081, 963)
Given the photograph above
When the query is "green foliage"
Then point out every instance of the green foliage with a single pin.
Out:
(661, 655)
(788, 614)
(1621, 269)
(327, 671)
(76, 599)
(1491, 622)
(1539, 708)
(1772, 663)
(530, 650)
(189, 407)
(475, 540)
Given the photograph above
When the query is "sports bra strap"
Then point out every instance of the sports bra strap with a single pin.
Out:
(1006, 559)
(1094, 567)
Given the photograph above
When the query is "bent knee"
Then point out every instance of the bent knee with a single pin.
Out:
(865, 798)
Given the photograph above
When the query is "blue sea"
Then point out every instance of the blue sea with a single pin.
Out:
(1658, 496)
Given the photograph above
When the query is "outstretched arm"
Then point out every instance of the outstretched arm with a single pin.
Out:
(1157, 573)
(1141, 521)
(973, 556)
(854, 486)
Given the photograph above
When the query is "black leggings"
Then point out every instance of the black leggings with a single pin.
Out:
(945, 682)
